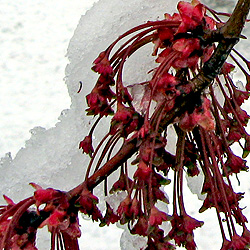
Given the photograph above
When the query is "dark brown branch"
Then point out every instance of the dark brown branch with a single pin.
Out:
(126, 151)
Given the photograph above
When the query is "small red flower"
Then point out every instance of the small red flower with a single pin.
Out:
(190, 223)
(126, 119)
(159, 195)
(242, 115)
(191, 14)
(165, 34)
(87, 201)
(164, 54)
(110, 216)
(135, 208)
(141, 227)
(98, 102)
(235, 164)
(86, 145)
(124, 207)
(237, 243)
(166, 86)
(182, 230)
(240, 96)
(186, 46)
(234, 134)
(102, 64)
(143, 171)
(123, 114)
(55, 218)
(201, 116)
(157, 217)
(121, 184)
(227, 68)
(46, 195)
(188, 49)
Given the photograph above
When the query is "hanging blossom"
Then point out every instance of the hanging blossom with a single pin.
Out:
(189, 49)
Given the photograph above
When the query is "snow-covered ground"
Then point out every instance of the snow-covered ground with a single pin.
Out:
(33, 44)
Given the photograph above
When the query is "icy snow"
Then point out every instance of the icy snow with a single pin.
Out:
(51, 156)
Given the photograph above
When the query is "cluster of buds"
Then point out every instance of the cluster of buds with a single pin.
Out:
(206, 128)
(190, 50)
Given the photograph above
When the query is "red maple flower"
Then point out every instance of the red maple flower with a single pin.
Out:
(157, 217)
(237, 243)
(86, 145)
(135, 208)
(240, 96)
(102, 64)
(191, 14)
(235, 164)
(141, 227)
(227, 68)
(186, 46)
(126, 119)
(123, 114)
(22, 241)
(123, 183)
(55, 218)
(182, 230)
(48, 195)
(143, 171)
(234, 134)
(110, 216)
(165, 34)
(87, 202)
(98, 102)
(124, 208)
(242, 115)
(201, 116)
(167, 86)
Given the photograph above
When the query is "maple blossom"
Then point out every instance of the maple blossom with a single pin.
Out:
(190, 49)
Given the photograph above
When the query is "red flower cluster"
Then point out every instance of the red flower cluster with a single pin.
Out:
(87, 202)
(190, 52)
(61, 218)
(182, 230)
(99, 98)
(183, 44)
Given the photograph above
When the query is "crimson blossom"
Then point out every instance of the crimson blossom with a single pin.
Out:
(190, 49)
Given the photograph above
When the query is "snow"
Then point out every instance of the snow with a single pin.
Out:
(34, 39)
(51, 155)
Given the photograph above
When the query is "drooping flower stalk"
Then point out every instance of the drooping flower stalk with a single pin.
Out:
(190, 49)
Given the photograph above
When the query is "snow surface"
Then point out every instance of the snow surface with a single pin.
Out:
(52, 155)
